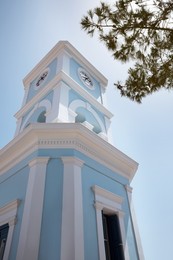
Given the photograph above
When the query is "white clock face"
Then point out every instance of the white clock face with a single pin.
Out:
(85, 77)
(42, 78)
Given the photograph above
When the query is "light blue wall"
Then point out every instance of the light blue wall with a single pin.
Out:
(96, 92)
(52, 72)
(93, 173)
(13, 186)
(90, 177)
(50, 241)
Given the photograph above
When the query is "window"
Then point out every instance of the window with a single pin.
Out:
(8, 218)
(112, 237)
(110, 225)
(3, 239)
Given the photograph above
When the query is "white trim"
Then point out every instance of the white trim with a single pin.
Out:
(44, 103)
(72, 233)
(134, 223)
(62, 76)
(110, 203)
(64, 46)
(25, 96)
(66, 62)
(29, 238)
(63, 135)
(85, 94)
(8, 214)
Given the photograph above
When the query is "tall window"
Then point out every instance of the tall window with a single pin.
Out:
(3, 238)
(112, 237)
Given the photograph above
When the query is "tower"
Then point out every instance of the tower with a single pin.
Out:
(64, 188)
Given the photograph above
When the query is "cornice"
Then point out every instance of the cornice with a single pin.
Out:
(9, 207)
(53, 53)
(106, 194)
(61, 76)
(66, 135)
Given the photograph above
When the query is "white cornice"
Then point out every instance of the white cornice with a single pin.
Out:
(53, 53)
(66, 135)
(61, 76)
(9, 207)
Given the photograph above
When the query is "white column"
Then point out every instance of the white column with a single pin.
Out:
(72, 234)
(134, 223)
(29, 239)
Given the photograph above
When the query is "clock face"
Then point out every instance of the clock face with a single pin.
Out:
(86, 79)
(42, 78)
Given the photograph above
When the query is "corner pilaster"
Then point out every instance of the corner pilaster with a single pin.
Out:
(134, 223)
(72, 234)
(28, 247)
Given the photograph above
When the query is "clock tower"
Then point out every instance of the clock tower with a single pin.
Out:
(64, 87)
(65, 190)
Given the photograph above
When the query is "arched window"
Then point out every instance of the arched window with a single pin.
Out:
(42, 118)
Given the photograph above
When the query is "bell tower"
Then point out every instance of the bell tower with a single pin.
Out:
(65, 87)
(65, 190)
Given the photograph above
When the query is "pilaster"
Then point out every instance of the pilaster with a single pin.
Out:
(134, 223)
(28, 247)
(72, 234)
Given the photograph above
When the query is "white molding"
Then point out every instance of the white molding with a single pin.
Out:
(8, 214)
(28, 246)
(62, 76)
(134, 223)
(25, 96)
(43, 103)
(109, 203)
(107, 195)
(72, 232)
(84, 93)
(66, 135)
(63, 46)
(51, 85)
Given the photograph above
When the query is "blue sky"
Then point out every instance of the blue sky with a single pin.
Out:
(29, 29)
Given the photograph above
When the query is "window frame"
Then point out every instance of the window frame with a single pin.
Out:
(3, 238)
(108, 203)
(8, 215)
